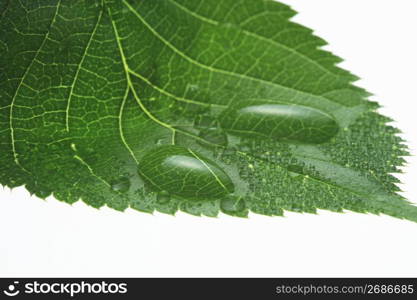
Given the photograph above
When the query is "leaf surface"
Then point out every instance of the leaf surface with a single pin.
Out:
(199, 106)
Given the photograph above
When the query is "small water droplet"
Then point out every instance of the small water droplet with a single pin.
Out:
(42, 193)
(121, 185)
(54, 147)
(204, 121)
(159, 141)
(183, 172)
(245, 148)
(50, 166)
(163, 197)
(89, 150)
(233, 206)
(192, 87)
(295, 169)
(214, 136)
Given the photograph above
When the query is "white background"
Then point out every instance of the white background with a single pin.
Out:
(378, 40)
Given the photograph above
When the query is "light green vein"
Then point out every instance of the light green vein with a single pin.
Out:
(91, 170)
(162, 91)
(138, 100)
(122, 136)
(67, 113)
(208, 168)
(12, 135)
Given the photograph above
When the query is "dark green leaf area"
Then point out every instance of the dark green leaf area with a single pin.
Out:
(185, 173)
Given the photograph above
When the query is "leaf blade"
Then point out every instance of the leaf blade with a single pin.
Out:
(138, 74)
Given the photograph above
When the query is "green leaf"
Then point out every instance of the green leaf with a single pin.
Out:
(192, 105)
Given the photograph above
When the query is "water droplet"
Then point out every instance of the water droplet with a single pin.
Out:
(214, 136)
(245, 148)
(54, 147)
(43, 193)
(203, 121)
(185, 173)
(192, 87)
(163, 197)
(89, 151)
(233, 206)
(121, 185)
(159, 141)
(50, 166)
(295, 168)
(286, 122)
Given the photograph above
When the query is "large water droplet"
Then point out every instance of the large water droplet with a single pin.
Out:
(185, 173)
(286, 122)
(121, 185)
(214, 136)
